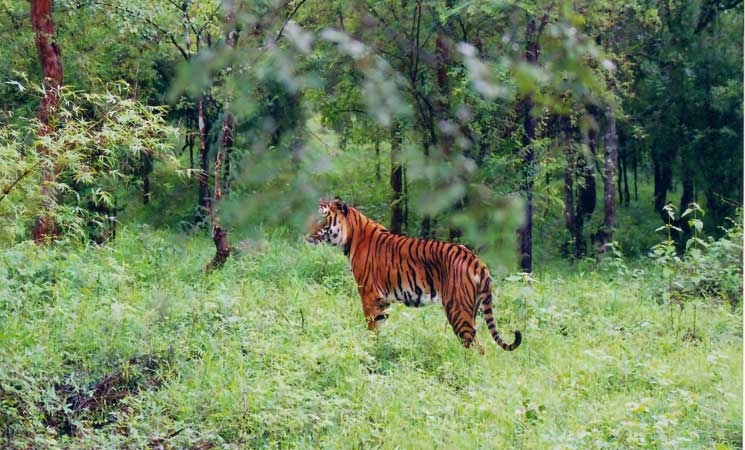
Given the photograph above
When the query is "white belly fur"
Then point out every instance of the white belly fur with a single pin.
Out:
(414, 300)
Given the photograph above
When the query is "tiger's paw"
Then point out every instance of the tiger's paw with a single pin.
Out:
(479, 347)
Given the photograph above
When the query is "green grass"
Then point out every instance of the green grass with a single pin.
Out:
(272, 351)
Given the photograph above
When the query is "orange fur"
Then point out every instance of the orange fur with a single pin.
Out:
(393, 268)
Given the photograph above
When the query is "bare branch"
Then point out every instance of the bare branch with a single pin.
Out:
(287, 20)
(180, 49)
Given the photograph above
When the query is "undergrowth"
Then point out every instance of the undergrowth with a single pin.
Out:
(131, 346)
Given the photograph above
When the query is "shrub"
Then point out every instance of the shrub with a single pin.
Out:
(709, 269)
(100, 142)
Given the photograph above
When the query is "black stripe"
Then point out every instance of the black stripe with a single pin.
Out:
(430, 282)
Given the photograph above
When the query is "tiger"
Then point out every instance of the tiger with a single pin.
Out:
(392, 268)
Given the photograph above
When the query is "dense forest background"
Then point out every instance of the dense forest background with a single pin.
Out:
(148, 143)
(591, 113)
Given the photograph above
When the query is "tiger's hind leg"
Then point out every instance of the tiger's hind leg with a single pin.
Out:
(461, 315)
(464, 328)
(467, 336)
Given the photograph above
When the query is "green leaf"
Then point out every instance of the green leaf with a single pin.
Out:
(697, 224)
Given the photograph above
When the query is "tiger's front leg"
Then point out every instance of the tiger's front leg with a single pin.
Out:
(374, 308)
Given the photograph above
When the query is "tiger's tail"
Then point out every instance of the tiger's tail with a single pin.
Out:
(489, 316)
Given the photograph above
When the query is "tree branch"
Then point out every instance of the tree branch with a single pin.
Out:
(180, 49)
(287, 20)
(6, 190)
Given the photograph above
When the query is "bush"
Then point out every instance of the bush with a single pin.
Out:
(99, 144)
(710, 270)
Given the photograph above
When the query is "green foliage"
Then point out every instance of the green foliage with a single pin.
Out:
(129, 345)
(272, 351)
(96, 146)
(709, 271)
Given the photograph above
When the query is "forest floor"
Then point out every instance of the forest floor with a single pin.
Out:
(132, 346)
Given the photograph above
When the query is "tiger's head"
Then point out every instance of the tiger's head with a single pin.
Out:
(333, 227)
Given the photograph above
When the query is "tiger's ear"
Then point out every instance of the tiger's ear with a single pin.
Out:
(323, 206)
(341, 206)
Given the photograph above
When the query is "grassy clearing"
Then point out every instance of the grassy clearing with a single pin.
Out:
(272, 351)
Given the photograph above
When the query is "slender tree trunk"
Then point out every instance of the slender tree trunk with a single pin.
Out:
(405, 183)
(569, 195)
(147, 168)
(204, 188)
(397, 215)
(635, 162)
(426, 220)
(226, 142)
(626, 195)
(586, 192)
(525, 232)
(609, 174)
(426, 227)
(377, 159)
(663, 177)
(686, 198)
(220, 235)
(579, 238)
(619, 178)
(226, 162)
(446, 139)
(190, 142)
(49, 56)
(569, 175)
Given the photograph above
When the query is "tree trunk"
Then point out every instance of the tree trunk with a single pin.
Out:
(626, 195)
(190, 143)
(49, 56)
(220, 235)
(635, 163)
(442, 65)
(663, 177)
(686, 199)
(446, 139)
(147, 168)
(619, 178)
(405, 186)
(569, 174)
(397, 214)
(204, 188)
(377, 159)
(226, 162)
(525, 233)
(426, 227)
(586, 192)
(426, 220)
(609, 182)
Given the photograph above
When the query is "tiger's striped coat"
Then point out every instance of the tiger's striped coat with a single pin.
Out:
(392, 268)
